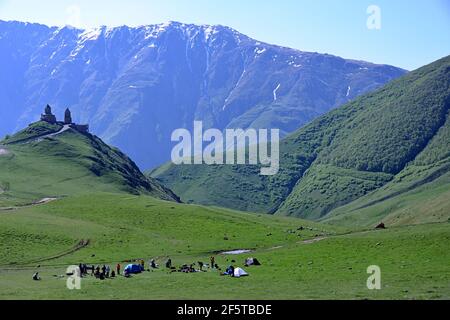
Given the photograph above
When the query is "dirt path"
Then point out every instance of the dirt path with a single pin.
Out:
(44, 201)
(22, 266)
(322, 238)
(63, 129)
(310, 241)
(80, 245)
(36, 203)
(40, 138)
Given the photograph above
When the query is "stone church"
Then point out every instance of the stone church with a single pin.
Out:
(49, 117)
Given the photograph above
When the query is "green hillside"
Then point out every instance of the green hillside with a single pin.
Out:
(377, 147)
(300, 259)
(418, 194)
(36, 164)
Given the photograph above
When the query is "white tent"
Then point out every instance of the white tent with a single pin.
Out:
(238, 272)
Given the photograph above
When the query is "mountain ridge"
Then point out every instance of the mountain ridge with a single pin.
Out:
(142, 83)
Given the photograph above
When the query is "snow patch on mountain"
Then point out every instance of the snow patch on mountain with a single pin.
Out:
(209, 31)
(259, 51)
(232, 91)
(275, 97)
(90, 35)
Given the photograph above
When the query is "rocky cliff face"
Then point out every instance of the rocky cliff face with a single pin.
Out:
(134, 86)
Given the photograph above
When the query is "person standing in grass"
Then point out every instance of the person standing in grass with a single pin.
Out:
(153, 264)
(213, 262)
(118, 269)
(169, 264)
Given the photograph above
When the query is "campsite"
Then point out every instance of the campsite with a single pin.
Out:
(123, 228)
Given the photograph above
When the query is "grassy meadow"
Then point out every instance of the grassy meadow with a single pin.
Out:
(120, 228)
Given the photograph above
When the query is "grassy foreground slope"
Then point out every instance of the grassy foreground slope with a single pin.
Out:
(341, 157)
(120, 228)
(34, 166)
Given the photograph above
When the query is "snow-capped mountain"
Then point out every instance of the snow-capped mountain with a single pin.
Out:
(134, 86)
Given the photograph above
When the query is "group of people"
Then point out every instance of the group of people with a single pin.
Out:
(106, 272)
(188, 268)
(99, 272)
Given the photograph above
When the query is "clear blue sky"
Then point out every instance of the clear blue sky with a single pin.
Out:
(413, 32)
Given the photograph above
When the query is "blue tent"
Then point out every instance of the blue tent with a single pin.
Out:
(133, 268)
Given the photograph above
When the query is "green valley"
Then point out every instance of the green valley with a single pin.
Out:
(382, 146)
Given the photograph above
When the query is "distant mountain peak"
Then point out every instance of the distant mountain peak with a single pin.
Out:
(134, 83)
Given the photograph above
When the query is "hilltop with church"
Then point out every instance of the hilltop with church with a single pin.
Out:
(49, 117)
